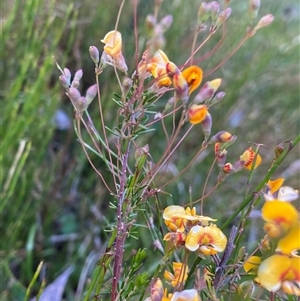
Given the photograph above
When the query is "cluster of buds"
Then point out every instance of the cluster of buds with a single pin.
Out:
(278, 266)
(79, 102)
(156, 31)
(211, 10)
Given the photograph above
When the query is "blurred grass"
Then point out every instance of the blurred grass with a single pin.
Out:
(53, 207)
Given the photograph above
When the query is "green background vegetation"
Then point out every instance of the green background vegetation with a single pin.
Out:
(53, 206)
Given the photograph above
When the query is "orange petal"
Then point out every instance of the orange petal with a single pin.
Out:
(193, 76)
(275, 185)
(197, 113)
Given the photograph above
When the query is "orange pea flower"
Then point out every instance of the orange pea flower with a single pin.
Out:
(193, 76)
(197, 113)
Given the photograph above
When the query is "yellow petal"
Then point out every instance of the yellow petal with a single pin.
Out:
(193, 76)
(172, 210)
(251, 265)
(291, 241)
(275, 185)
(249, 156)
(215, 84)
(210, 237)
(277, 269)
(282, 214)
(113, 42)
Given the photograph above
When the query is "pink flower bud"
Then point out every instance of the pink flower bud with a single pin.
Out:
(91, 93)
(75, 83)
(217, 98)
(67, 73)
(81, 104)
(203, 12)
(204, 94)
(150, 23)
(221, 159)
(166, 22)
(78, 75)
(64, 81)
(264, 21)
(206, 126)
(94, 54)
(223, 16)
(73, 94)
(221, 136)
(214, 9)
(127, 84)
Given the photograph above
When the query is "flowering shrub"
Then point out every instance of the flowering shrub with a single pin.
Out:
(206, 264)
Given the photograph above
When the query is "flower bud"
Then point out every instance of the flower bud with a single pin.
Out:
(221, 158)
(221, 136)
(94, 54)
(204, 94)
(214, 9)
(127, 84)
(207, 91)
(171, 69)
(196, 113)
(181, 87)
(228, 168)
(78, 75)
(254, 6)
(206, 126)
(64, 81)
(218, 97)
(166, 22)
(81, 104)
(223, 16)
(246, 289)
(170, 103)
(73, 94)
(264, 21)
(203, 12)
(91, 93)
(67, 73)
(150, 23)
(77, 78)
(75, 84)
